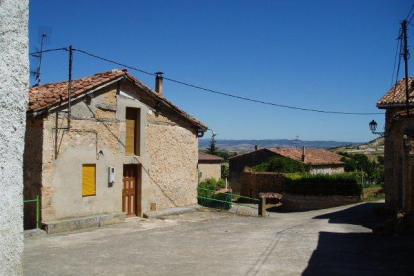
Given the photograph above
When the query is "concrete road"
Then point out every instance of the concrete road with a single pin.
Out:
(327, 242)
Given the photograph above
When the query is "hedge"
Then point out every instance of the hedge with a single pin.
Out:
(212, 185)
(345, 184)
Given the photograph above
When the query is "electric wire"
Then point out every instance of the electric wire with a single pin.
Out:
(228, 94)
(211, 90)
(48, 50)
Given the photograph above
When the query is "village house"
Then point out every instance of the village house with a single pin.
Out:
(209, 166)
(399, 147)
(116, 148)
(319, 161)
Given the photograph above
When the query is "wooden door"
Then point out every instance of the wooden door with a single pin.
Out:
(130, 191)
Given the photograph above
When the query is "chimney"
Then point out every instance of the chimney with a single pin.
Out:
(303, 154)
(158, 83)
(256, 147)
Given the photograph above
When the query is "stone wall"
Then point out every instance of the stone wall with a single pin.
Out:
(291, 202)
(254, 183)
(398, 187)
(209, 170)
(239, 163)
(173, 152)
(32, 168)
(14, 80)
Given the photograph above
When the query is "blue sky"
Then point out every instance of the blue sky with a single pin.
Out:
(330, 55)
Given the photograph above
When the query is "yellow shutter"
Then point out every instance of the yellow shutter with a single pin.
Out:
(132, 119)
(88, 180)
(130, 137)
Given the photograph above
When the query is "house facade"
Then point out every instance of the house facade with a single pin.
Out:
(399, 147)
(119, 148)
(209, 166)
(319, 161)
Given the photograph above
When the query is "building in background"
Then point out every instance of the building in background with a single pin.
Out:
(209, 166)
(124, 150)
(14, 80)
(399, 147)
(319, 161)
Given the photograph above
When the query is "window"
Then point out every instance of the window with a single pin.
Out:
(88, 180)
(132, 119)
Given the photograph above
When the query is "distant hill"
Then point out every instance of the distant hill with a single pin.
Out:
(374, 147)
(248, 145)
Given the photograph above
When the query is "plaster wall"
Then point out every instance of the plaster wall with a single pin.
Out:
(326, 170)
(14, 80)
(209, 170)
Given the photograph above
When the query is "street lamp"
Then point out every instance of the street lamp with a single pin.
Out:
(373, 126)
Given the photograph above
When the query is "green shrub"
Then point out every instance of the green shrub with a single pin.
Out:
(346, 184)
(280, 165)
(206, 189)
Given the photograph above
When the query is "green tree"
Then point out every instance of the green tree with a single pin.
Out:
(281, 165)
(212, 149)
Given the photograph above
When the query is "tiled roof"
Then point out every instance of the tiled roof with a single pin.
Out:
(313, 156)
(396, 95)
(44, 97)
(208, 157)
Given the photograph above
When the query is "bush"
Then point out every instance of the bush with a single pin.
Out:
(346, 184)
(206, 190)
(280, 165)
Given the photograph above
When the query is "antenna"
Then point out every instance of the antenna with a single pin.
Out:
(44, 35)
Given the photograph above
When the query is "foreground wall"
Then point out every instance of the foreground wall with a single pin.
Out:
(293, 202)
(14, 78)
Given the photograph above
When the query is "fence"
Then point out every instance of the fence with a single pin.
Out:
(210, 198)
(37, 201)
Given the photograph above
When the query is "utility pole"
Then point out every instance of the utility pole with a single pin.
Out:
(404, 31)
(70, 84)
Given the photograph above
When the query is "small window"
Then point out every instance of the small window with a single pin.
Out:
(88, 180)
(132, 119)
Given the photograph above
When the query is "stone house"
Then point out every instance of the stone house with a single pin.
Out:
(319, 161)
(120, 149)
(209, 166)
(399, 147)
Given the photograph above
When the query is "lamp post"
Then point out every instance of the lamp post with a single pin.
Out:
(373, 126)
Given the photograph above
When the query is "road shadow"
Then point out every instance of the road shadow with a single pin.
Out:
(360, 253)
(361, 214)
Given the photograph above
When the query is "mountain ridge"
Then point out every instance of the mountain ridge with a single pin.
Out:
(243, 145)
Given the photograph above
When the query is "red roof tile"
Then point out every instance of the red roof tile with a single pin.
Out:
(44, 97)
(313, 156)
(208, 157)
(396, 95)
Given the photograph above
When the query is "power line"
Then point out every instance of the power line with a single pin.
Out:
(408, 15)
(114, 62)
(48, 50)
(211, 90)
(227, 94)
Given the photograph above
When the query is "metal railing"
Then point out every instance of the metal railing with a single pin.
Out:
(260, 201)
(37, 201)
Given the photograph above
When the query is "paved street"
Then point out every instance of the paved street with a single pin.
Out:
(328, 242)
